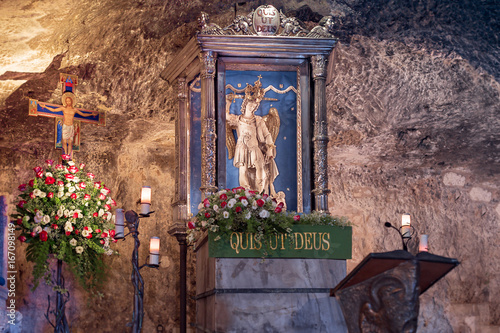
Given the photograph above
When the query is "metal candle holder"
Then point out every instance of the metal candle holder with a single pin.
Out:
(132, 223)
(405, 237)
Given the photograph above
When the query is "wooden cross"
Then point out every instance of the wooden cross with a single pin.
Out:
(67, 118)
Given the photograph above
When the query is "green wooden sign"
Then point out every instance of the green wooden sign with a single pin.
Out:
(305, 241)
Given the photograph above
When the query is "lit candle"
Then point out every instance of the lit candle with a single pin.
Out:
(119, 224)
(406, 226)
(424, 243)
(154, 251)
(145, 199)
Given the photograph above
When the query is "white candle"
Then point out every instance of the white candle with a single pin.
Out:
(145, 199)
(154, 251)
(406, 226)
(424, 243)
(119, 223)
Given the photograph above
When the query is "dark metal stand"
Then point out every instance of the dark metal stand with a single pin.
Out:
(133, 220)
(180, 233)
(61, 323)
(404, 239)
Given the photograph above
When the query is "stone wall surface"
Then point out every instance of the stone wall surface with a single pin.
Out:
(413, 109)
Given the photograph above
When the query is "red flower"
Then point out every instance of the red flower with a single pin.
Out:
(65, 157)
(243, 197)
(31, 182)
(22, 187)
(37, 169)
(75, 215)
(49, 162)
(105, 190)
(69, 176)
(73, 196)
(60, 183)
(73, 169)
(82, 185)
(19, 221)
(85, 228)
(191, 225)
(107, 207)
(89, 236)
(90, 175)
(22, 239)
(59, 167)
(56, 217)
(32, 195)
(112, 233)
(77, 232)
(260, 202)
(206, 203)
(54, 226)
(102, 196)
(115, 240)
(97, 184)
(44, 236)
(296, 218)
(86, 196)
(113, 202)
(105, 216)
(32, 234)
(264, 196)
(98, 230)
(50, 180)
(102, 241)
(50, 195)
(277, 210)
(223, 204)
(39, 174)
(95, 214)
(68, 233)
(223, 196)
(238, 209)
(104, 235)
(207, 215)
(280, 205)
(21, 203)
(82, 165)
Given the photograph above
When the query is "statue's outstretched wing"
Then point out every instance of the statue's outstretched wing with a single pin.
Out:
(272, 121)
(230, 140)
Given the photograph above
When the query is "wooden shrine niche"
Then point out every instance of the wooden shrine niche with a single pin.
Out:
(252, 110)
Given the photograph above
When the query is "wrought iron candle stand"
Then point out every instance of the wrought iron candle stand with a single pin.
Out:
(61, 323)
(406, 235)
(132, 223)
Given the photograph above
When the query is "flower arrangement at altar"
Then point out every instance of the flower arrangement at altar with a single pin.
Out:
(241, 210)
(66, 212)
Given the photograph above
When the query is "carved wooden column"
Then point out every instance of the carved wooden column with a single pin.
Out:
(180, 211)
(320, 139)
(208, 134)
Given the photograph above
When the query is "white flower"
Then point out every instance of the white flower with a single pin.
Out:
(71, 189)
(68, 227)
(49, 174)
(60, 213)
(60, 194)
(37, 229)
(39, 216)
(264, 214)
(85, 233)
(248, 215)
(46, 219)
(109, 201)
(244, 202)
(43, 194)
(60, 186)
(36, 192)
(231, 203)
(72, 207)
(26, 218)
(79, 249)
(109, 252)
(254, 205)
(101, 212)
(66, 212)
(73, 242)
(216, 208)
(258, 196)
(71, 163)
(221, 192)
(76, 179)
(109, 217)
(200, 205)
(226, 214)
(237, 196)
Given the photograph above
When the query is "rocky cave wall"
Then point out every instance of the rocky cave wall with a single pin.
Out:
(413, 111)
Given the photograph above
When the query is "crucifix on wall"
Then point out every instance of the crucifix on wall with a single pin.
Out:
(67, 118)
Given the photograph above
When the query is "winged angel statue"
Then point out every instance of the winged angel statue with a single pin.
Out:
(254, 148)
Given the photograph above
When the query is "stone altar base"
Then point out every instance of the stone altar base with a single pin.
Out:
(274, 295)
